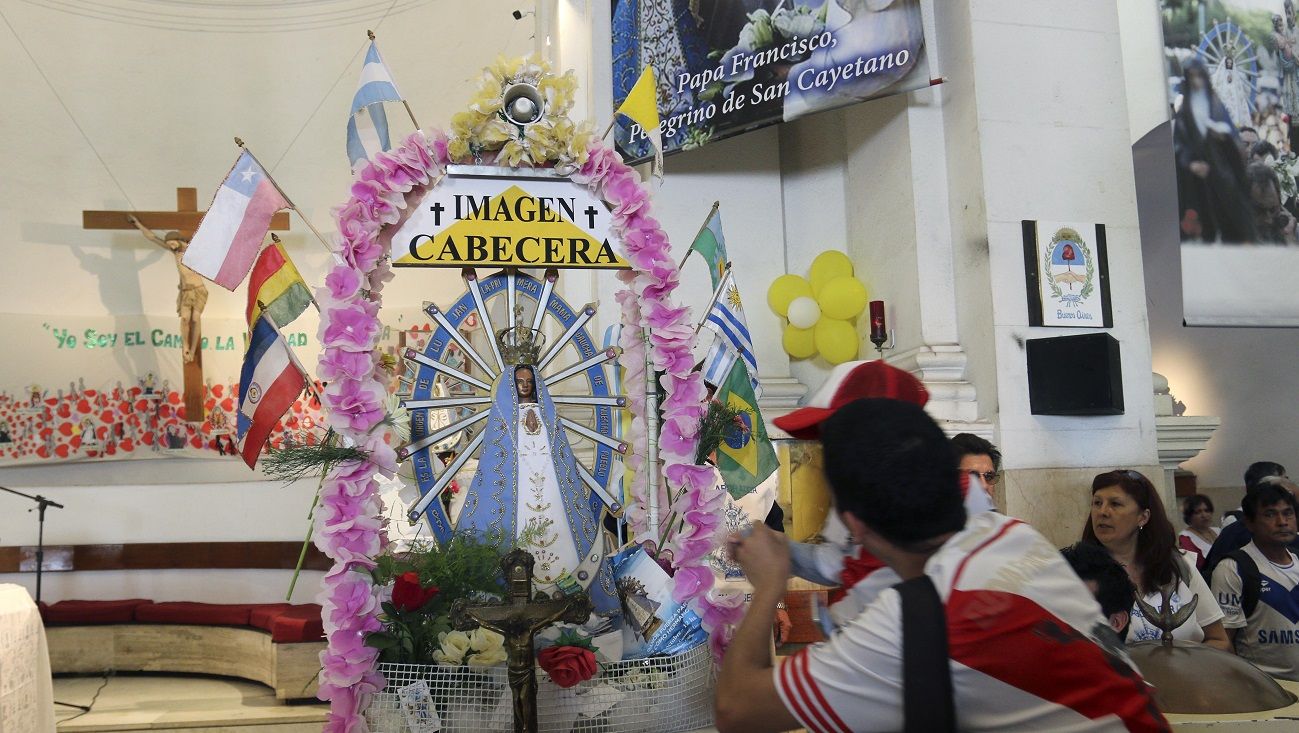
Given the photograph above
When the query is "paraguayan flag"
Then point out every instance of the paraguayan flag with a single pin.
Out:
(367, 127)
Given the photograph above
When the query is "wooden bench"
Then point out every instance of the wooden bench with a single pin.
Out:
(275, 644)
(289, 669)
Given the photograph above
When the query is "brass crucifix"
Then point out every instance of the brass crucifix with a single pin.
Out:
(518, 619)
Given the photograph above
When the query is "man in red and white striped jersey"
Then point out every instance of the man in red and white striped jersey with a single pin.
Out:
(1026, 645)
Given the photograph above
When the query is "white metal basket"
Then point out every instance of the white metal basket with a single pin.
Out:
(656, 695)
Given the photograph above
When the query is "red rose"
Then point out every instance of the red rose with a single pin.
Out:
(567, 665)
(409, 595)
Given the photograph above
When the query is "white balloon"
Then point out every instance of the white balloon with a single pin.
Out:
(804, 312)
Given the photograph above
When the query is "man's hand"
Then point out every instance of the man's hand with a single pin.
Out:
(1199, 168)
(764, 556)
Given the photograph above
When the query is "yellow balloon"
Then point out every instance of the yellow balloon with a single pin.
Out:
(799, 342)
(842, 298)
(836, 340)
(827, 266)
(784, 290)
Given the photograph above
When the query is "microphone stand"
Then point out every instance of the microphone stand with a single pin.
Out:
(41, 504)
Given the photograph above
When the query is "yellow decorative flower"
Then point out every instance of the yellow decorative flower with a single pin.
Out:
(487, 659)
(552, 139)
(454, 648)
(485, 640)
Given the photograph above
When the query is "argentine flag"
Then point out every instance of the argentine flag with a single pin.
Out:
(367, 128)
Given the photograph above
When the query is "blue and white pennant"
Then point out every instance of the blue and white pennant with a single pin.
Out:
(367, 127)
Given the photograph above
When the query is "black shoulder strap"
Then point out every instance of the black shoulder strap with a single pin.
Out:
(927, 704)
(1250, 583)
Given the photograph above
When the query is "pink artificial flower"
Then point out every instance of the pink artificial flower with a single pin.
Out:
(693, 478)
(691, 581)
(341, 364)
(353, 327)
(351, 599)
(705, 524)
(383, 457)
(600, 162)
(690, 551)
(659, 316)
(343, 282)
(439, 148)
(623, 190)
(684, 392)
(417, 155)
(679, 436)
(347, 659)
(353, 546)
(355, 406)
(715, 617)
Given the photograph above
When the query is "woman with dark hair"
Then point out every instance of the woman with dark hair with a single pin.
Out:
(1128, 519)
(1198, 537)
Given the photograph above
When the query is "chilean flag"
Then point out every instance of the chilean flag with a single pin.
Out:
(228, 238)
(268, 385)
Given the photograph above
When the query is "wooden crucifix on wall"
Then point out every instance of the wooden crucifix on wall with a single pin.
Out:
(180, 226)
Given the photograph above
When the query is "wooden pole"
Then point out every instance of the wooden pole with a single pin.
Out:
(713, 301)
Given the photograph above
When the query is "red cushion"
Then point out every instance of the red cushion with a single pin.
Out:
(264, 614)
(92, 612)
(185, 612)
(299, 623)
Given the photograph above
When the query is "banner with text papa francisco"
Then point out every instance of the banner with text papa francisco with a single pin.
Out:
(728, 66)
(1233, 84)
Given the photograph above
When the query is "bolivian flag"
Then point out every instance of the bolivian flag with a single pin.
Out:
(745, 457)
(275, 283)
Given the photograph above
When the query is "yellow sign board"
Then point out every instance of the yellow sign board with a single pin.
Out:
(508, 222)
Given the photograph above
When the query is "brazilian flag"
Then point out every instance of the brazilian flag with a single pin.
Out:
(745, 457)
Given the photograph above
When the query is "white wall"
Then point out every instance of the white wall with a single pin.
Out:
(1242, 375)
(161, 107)
(1053, 139)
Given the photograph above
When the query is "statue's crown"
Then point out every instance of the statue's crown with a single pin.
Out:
(520, 344)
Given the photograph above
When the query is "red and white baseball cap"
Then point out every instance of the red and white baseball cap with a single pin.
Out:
(848, 382)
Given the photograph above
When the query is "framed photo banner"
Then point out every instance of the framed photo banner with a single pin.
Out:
(1067, 272)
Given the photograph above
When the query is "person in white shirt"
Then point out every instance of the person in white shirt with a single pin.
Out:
(1128, 518)
(1258, 585)
(997, 633)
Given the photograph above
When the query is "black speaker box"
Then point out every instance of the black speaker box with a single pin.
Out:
(1075, 375)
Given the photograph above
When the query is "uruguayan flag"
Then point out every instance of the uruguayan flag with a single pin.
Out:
(367, 128)
(726, 319)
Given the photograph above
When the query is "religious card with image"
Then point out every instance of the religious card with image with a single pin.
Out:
(417, 707)
(653, 623)
(1067, 274)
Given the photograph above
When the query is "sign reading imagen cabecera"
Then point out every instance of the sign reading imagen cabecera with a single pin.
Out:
(1233, 83)
(727, 66)
(495, 221)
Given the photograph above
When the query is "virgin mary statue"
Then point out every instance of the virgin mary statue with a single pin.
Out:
(527, 489)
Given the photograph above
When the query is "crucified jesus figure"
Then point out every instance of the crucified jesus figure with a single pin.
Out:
(192, 295)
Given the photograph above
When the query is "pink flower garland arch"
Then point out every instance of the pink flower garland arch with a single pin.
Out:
(348, 528)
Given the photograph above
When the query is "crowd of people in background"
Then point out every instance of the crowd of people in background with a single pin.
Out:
(970, 615)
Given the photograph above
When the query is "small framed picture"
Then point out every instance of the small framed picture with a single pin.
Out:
(1067, 273)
